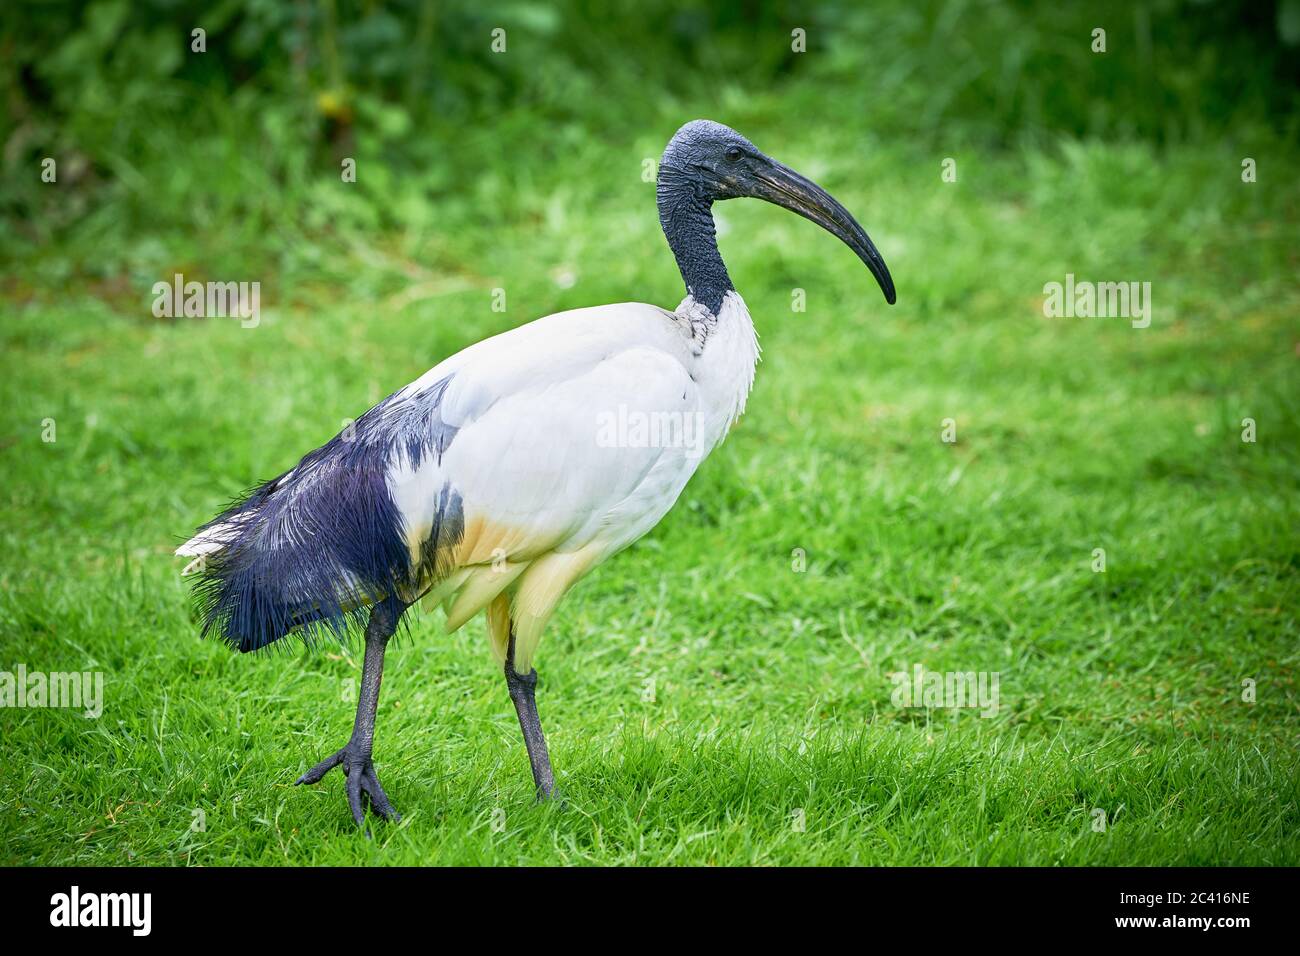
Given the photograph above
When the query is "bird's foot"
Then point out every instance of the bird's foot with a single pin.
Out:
(361, 783)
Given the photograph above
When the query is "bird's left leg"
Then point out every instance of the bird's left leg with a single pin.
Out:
(355, 757)
(523, 688)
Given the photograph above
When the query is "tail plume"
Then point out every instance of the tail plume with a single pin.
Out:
(311, 550)
(309, 554)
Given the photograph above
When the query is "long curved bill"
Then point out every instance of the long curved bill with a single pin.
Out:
(783, 186)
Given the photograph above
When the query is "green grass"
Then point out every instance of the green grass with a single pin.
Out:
(1120, 691)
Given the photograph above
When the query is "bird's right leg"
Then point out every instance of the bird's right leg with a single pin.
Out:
(523, 689)
(355, 757)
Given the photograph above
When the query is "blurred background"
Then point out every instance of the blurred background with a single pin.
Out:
(833, 540)
(232, 155)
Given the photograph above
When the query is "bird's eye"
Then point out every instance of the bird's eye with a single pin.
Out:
(734, 154)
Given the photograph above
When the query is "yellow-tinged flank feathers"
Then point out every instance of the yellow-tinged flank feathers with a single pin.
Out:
(482, 586)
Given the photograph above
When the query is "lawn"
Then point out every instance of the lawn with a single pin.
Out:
(720, 693)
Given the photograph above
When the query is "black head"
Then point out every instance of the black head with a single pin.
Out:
(717, 163)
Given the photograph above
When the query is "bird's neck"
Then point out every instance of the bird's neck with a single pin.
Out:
(687, 220)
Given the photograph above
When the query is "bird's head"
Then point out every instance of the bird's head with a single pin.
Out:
(718, 163)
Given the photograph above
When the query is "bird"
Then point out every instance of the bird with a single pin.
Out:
(502, 476)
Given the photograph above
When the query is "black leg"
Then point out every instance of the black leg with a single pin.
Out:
(522, 690)
(355, 757)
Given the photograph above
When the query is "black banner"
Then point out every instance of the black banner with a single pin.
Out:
(1223, 907)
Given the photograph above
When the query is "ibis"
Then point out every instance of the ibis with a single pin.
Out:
(507, 472)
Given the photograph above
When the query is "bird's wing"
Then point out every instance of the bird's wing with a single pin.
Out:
(567, 447)
(567, 431)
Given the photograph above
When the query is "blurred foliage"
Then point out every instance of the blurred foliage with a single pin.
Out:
(414, 90)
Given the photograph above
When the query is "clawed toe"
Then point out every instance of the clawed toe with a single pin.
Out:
(363, 786)
(325, 766)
